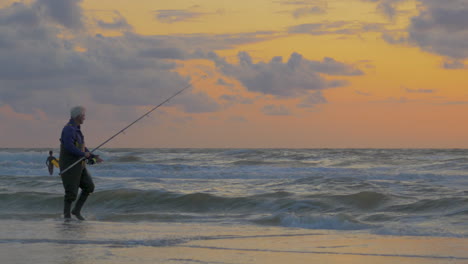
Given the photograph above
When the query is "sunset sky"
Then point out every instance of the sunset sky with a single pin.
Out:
(279, 73)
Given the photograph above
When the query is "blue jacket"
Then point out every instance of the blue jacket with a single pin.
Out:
(72, 138)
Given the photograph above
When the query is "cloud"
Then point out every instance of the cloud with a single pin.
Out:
(453, 65)
(303, 2)
(227, 41)
(65, 12)
(40, 70)
(222, 82)
(276, 110)
(305, 8)
(456, 103)
(306, 11)
(164, 53)
(18, 14)
(393, 100)
(425, 91)
(441, 28)
(395, 37)
(337, 28)
(387, 7)
(118, 23)
(235, 99)
(363, 93)
(312, 100)
(29, 46)
(176, 15)
(198, 102)
(237, 119)
(292, 78)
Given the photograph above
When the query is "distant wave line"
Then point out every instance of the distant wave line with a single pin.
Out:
(329, 253)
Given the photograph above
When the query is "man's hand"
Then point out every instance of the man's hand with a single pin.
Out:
(87, 154)
(98, 159)
(95, 159)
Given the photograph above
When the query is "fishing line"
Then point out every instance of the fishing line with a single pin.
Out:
(131, 124)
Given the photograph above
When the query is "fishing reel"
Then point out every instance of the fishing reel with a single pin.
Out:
(92, 160)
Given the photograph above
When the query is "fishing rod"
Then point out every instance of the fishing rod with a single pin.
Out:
(131, 124)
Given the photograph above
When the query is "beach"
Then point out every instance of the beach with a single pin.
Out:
(234, 132)
(76, 242)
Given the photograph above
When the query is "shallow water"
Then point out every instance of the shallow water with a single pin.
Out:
(101, 242)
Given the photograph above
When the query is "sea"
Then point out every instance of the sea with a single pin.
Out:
(398, 192)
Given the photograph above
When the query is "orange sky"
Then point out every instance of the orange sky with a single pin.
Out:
(352, 74)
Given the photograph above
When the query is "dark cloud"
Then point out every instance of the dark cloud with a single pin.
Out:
(453, 65)
(39, 70)
(363, 93)
(176, 15)
(285, 79)
(19, 14)
(304, 2)
(235, 99)
(396, 38)
(393, 100)
(118, 23)
(337, 27)
(425, 91)
(222, 82)
(276, 110)
(332, 67)
(239, 119)
(312, 100)
(165, 53)
(456, 103)
(197, 45)
(198, 102)
(387, 7)
(65, 12)
(306, 11)
(305, 8)
(442, 28)
(29, 47)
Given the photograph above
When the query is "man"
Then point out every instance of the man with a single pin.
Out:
(72, 148)
(50, 162)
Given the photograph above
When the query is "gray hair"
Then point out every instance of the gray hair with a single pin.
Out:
(77, 111)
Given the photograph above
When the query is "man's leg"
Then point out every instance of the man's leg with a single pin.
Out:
(67, 208)
(71, 183)
(87, 187)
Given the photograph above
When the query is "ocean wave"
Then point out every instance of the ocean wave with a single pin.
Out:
(141, 201)
(378, 205)
(363, 200)
(430, 205)
(377, 164)
(416, 230)
(29, 202)
(334, 222)
(126, 159)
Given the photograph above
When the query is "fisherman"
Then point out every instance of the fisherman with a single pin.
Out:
(72, 148)
(50, 162)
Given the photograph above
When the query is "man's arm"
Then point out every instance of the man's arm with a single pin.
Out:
(68, 140)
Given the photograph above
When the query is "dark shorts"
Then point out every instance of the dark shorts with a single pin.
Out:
(75, 179)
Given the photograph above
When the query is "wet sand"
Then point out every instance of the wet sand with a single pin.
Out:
(55, 241)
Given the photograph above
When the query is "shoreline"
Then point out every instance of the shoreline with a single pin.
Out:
(55, 241)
